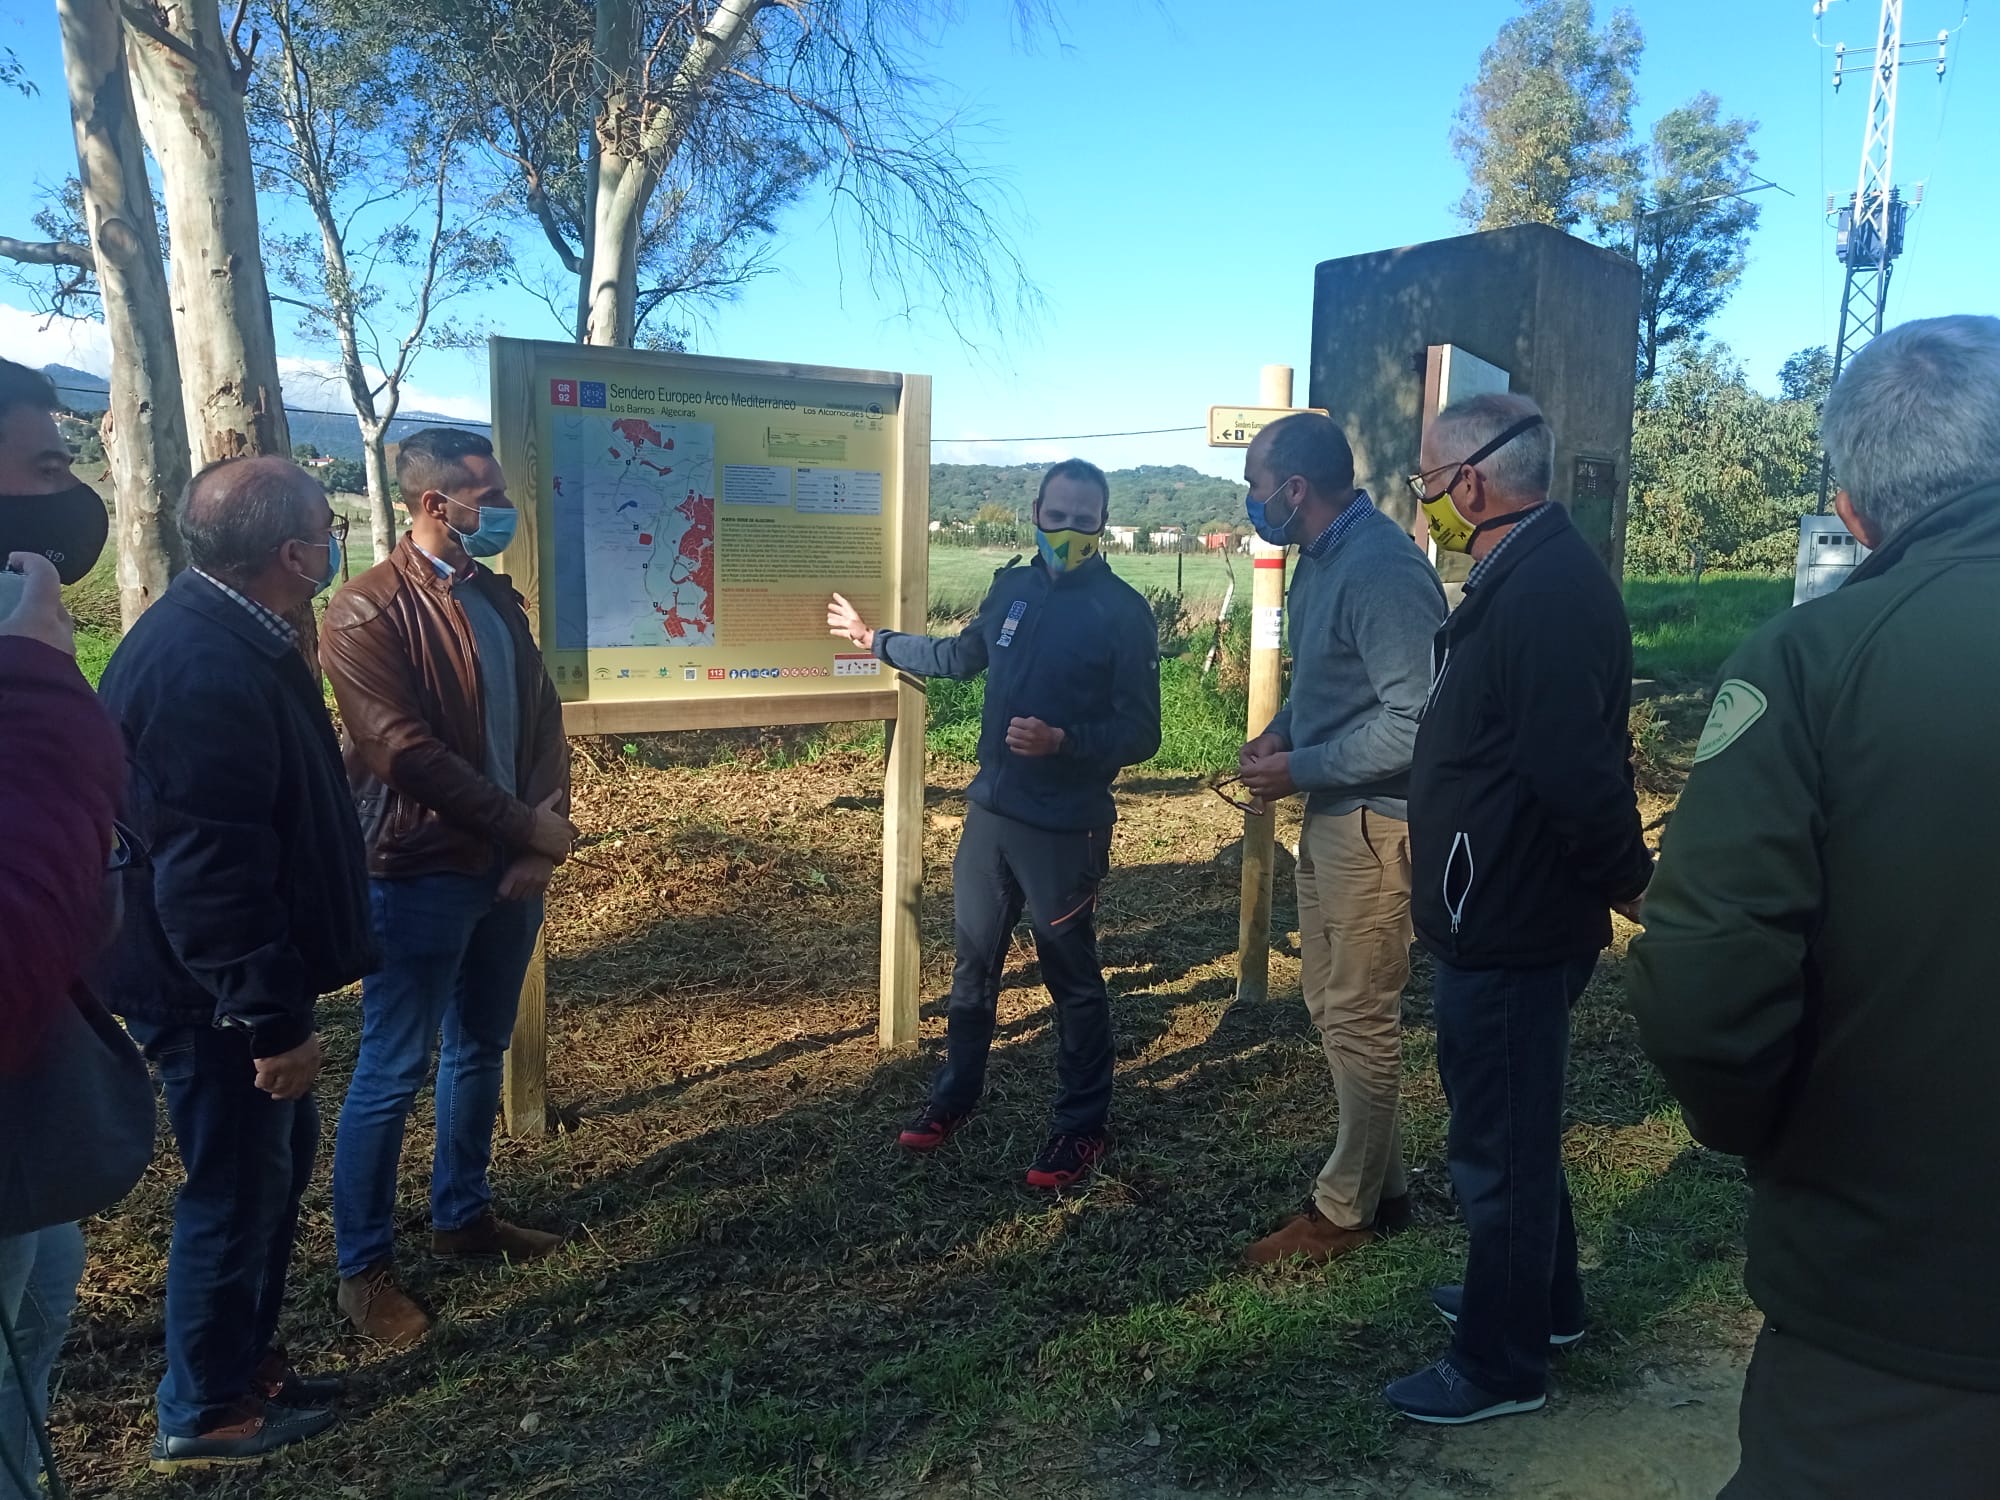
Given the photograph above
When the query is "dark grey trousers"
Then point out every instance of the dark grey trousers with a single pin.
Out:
(1817, 1424)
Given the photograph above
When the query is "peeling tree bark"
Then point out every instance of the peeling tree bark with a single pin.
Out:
(146, 437)
(189, 73)
(189, 88)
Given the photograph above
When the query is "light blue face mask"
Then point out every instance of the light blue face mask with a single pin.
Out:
(326, 580)
(495, 530)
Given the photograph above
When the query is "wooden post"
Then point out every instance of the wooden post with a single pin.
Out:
(524, 1074)
(903, 775)
(1267, 615)
(524, 1100)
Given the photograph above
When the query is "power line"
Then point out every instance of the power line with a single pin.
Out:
(1054, 437)
(306, 411)
(1074, 437)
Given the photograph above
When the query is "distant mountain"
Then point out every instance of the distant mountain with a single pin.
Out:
(333, 433)
(79, 390)
(1149, 497)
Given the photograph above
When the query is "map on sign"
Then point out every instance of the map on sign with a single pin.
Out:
(635, 504)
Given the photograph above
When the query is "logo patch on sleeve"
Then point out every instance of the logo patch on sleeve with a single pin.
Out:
(1738, 705)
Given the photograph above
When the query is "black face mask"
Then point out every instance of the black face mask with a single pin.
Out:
(68, 528)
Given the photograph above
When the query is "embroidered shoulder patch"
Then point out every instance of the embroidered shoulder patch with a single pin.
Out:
(1738, 705)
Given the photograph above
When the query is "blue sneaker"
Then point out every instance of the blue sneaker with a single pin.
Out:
(1449, 1299)
(1441, 1395)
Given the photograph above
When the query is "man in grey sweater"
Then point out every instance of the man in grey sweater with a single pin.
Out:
(1365, 604)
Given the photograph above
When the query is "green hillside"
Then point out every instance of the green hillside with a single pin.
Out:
(1150, 496)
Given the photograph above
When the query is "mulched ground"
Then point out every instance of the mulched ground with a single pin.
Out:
(764, 1297)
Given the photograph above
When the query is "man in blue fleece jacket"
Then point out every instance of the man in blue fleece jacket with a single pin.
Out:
(1071, 657)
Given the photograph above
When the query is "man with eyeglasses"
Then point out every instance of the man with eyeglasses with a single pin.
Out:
(253, 904)
(1364, 605)
(1524, 836)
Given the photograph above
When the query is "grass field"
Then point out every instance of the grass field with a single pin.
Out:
(764, 1298)
(960, 576)
(1682, 631)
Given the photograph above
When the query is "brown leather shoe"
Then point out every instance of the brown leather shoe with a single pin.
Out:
(1311, 1237)
(487, 1235)
(1393, 1216)
(380, 1309)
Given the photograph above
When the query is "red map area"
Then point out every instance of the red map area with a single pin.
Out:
(696, 561)
(680, 568)
(635, 431)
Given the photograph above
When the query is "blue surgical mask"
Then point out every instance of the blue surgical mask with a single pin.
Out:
(1260, 522)
(494, 532)
(326, 580)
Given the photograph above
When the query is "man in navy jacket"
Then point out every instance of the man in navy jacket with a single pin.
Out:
(1524, 837)
(1071, 657)
(253, 905)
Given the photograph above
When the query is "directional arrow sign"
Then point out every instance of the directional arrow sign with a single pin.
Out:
(1235, 426)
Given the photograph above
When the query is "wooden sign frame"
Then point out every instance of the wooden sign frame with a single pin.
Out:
(517, 368)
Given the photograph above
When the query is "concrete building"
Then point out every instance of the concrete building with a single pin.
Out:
(1122, 536)
(1558, 315)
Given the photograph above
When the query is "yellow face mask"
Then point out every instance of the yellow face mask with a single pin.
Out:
(1063, 550)
(1450, 530)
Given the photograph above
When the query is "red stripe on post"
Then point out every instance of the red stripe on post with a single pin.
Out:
(1268, 562)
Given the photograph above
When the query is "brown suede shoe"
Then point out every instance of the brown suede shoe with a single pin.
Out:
(1393, 1216)
(1311, 1237)
(380, 1309)
(487, 1235)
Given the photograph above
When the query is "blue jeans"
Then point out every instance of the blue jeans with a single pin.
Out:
(453, 956)
(1503, 1051)
(248, 1158)
(38, 1276)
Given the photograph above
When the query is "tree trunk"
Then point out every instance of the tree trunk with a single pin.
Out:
(638, 133)
(189, 77)
(611, 248)
(381, 492)
(191, 105)
(146, 438)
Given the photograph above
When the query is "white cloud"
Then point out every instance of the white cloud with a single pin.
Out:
(316, 384)
(38, 339)
(999, 454)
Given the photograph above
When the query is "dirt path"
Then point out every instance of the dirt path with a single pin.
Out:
(1671, 1437)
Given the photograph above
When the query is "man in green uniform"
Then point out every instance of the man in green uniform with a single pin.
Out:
(1817, 981)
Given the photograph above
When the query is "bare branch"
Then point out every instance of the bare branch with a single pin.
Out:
(48, 253)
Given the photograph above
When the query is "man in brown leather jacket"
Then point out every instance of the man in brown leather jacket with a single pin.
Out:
(456, 754)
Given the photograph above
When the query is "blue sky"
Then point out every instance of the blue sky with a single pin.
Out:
(1177, 176)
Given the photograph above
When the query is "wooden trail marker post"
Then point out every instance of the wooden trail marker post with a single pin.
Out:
(683, 520)
(1236, 427)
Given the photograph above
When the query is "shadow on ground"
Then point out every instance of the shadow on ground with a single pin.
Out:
(765, 1298)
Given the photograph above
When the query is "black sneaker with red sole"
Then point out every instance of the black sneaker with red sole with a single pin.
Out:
(1066, 1160)
(931, 1128)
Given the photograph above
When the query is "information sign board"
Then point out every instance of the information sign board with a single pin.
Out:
(684, 520)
